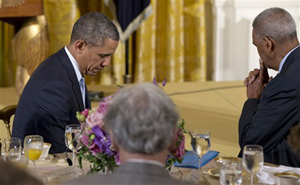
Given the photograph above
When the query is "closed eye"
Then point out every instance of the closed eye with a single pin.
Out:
(104, 55)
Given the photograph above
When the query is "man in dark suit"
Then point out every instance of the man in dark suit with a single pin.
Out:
(141, 121)
(273, 106)
(56, 90)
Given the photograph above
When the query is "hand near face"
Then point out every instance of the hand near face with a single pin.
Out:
(255, 73)
(256, 81)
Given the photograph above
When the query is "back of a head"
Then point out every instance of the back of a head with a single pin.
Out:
(142, 118)
(276, 23)
(94, 28)
(13, 175)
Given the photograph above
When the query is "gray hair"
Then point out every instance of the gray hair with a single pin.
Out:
(94, 28)
(142, 118)
(276, 23)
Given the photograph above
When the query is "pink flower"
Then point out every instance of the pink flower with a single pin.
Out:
(117, 159)
(94, 149)
(85, 138)
(103, 106)
(85, 112)
(180, 150)
(95, 119)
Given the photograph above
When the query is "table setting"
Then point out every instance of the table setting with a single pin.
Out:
(214, 168)
(191, 157)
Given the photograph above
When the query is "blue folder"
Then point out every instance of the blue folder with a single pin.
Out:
(191, 160)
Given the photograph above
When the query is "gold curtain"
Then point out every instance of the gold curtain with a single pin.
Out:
(169, 44)
(7, 64)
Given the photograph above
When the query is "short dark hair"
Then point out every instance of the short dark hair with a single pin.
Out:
(94, 28)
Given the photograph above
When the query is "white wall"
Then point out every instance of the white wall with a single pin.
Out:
(234, 54)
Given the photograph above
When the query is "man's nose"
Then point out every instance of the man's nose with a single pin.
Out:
(106, 62)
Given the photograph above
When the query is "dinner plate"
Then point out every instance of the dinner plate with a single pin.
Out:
(214, 172)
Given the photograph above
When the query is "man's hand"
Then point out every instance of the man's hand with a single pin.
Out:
(256, 81)
(251, 77)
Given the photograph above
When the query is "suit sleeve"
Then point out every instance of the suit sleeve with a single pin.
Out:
(51, 108)
(267, 121)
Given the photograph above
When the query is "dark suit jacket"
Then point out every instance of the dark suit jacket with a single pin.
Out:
(131, 173)
(267, 121)
(49, 102)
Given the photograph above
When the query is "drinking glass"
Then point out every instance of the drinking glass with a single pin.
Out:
(33, 147)
(231, 173)
(253, 159)
(71, 135)
(200, 141)
(11, 149)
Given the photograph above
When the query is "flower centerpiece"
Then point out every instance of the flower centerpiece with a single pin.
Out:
(96, 144)
(97, 148)
(178, 150)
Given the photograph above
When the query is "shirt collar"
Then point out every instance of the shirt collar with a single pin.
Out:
(285, 57)
(145, 161)
(74, 64)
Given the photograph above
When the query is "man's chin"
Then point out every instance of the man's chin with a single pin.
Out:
(91, 73)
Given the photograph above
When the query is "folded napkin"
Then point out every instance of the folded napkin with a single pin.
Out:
(191, 160)
(266, 174)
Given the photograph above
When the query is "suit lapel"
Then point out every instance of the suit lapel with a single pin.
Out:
(87, 100)
(65, 61)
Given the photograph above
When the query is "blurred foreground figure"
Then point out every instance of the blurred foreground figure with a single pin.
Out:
(273, 106)
(13, 175)
(142, 123)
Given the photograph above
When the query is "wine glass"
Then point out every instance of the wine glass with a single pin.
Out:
(33, 147)
(11, 149)
(253, 159)
(71, 135)
(200, 141)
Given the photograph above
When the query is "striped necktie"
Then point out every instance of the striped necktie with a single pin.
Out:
(82, 89)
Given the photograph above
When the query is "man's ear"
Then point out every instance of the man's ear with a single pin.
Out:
(79, 46)
(112, 140)
(269, 45)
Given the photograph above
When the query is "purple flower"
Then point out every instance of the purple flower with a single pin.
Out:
(102, 140)
(154, 81)
(164, 82)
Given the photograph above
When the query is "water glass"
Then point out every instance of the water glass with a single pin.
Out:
(200, 142)
(253, 159)
(72, 133)
(11, 149)
(231, 173)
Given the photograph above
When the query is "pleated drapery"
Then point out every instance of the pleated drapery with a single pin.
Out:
(169, 44)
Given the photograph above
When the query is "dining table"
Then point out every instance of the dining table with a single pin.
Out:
(55, 170)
